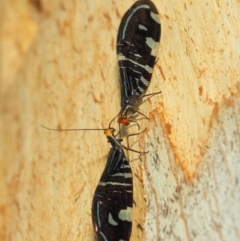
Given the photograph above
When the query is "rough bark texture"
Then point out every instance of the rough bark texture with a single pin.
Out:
(59, 69)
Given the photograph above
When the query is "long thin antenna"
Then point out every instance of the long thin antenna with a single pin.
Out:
(103, 129)
(112, 121)
(52, 129)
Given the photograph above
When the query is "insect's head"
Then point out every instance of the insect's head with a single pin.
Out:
(123, 119)
(109, 132)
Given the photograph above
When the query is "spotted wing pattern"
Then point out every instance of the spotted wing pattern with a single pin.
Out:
(137, 44)
(113, 198)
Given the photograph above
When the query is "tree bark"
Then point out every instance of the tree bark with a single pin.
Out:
(59, 69)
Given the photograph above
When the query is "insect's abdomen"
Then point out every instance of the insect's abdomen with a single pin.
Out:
(113, 199)
(137, 45)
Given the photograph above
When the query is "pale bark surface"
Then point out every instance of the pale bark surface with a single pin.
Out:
(59, 69)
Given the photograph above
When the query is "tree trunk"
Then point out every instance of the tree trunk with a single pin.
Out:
(59, 69)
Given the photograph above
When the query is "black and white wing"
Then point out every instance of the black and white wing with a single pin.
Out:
(137, 45)
(113, 198)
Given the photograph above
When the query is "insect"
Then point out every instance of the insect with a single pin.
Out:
(113, 197)
(137, 45)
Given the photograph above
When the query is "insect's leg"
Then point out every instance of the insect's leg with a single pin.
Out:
(150, 95)
(140, 113)
(135, 123)
(112, 121)
(130, 113)
(135, 134)
(130, 149)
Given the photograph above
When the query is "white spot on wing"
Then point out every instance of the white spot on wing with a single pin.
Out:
(126, 175)
(153, 45)
(140, 89)
(144, 81)
(149, 69)
(142, 27)
(125, 214)
(121, 57)
(113, 183)
(111, 220)
(138, 55)
(155, 17)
